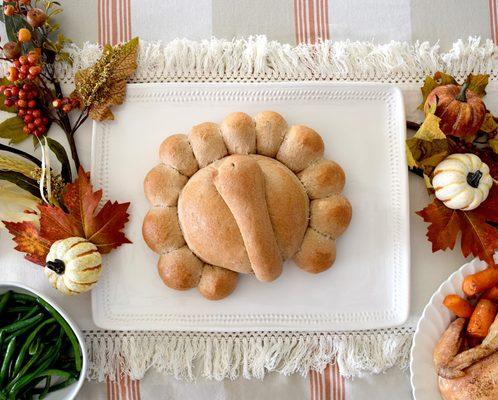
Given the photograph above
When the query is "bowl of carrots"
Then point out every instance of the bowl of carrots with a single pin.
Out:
(42, 351)
(471, 293)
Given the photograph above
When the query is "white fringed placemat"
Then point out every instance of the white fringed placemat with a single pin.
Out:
(228, 355)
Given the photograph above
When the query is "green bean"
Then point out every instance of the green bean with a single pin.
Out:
(27, 343)
(69, 332)
(2, 338)
(23, 297)
(4, 300)
(58, 386)
(47, 387)
(33, 347)
(21, 324)
(9, 353)
(18, 309)
(32, 361)
(28, 379)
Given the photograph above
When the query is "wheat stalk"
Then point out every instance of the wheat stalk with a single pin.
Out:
(17, 165)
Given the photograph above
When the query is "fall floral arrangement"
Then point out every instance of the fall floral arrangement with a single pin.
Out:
(54, 217)
(455, 150)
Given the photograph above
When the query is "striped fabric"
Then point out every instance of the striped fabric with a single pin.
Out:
(493, 20)
(328, 385)
(123, 388)
(312, 21)
(114, 21)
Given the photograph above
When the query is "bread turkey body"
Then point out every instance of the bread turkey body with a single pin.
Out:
(211, 231)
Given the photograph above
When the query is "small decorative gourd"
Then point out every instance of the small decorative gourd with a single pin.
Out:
(462, 181)
(461, 111)
(73, 265)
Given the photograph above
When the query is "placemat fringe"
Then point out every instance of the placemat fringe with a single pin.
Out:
(218, 356)
(258, 59)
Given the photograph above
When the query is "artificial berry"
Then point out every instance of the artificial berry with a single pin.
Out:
(32, 104)
(36, 17)
(23, 60)
(8, 103)
(35, 70)
(66, 108)
(15, 91)
(12, 50)
(28, 119)
(25, 2)
(9, 10)
(37, 113)
(57, 103)
(22, 103)
(7, 93)
(24, 35)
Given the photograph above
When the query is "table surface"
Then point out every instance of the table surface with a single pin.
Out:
(289, 21)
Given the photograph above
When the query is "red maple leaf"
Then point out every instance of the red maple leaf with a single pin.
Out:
(102, 228)
(29, 241)
(478, 236)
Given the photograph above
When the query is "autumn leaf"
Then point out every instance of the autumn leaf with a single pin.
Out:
(431, 82)
(104, 84)
(102, 228)
(477, 83)
(493, 143)
(478, 237)
(489, 124)
(29, 241)
(428, 147)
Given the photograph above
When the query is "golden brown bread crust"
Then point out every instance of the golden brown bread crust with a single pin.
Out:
(270, 132)
(207, 143)
(240, 182)
(176, 152)
(161, 230)
(180, 269)
(202, 212)
(317, 252)
(246, 212)
(301, 147)
(331, 216)
(322, 179)
(217, 283)
(163, 184)
(239, 133)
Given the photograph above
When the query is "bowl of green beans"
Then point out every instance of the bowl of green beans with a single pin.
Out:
(42, 352)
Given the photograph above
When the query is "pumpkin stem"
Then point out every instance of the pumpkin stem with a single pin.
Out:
(473, 178)
(462, 96)
(57, 266)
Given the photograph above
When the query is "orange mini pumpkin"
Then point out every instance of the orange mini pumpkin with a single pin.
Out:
(461, 111)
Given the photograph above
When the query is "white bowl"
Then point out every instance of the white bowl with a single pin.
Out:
(72, 390)
(434, 321)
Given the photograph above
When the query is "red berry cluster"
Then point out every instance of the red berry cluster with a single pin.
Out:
(66, 104)
(24, 98)
(25, 67)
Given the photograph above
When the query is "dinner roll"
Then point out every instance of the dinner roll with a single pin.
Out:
(270, 131)
(300, 147)
(163, 184)
(207, 143)
(239, 133)
(180, 269)
(331, 216)
(161, 230)
(322, 178)
(317, 252)
(217, 283)
(176, 152)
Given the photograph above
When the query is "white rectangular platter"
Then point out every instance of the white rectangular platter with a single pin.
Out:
(363, 128)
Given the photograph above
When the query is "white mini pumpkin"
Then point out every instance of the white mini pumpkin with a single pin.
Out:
(73, 265)
(462, 181)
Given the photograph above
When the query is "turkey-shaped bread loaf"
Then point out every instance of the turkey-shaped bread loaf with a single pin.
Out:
(243, 197)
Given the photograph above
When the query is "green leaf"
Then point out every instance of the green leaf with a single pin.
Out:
(477, 84)
(61, 155)
(22, 181)
(11, 129)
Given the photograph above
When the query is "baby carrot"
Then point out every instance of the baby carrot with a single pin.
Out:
(482, 318)
(491, 294)
(460, 307)
(480, 281)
